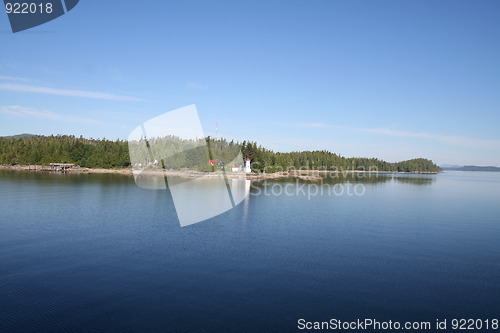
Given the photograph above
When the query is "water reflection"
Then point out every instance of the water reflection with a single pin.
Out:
(63, 179)
(367, 178)
(422, 180)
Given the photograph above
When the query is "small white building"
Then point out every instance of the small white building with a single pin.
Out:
(235, 169)
(247, 165)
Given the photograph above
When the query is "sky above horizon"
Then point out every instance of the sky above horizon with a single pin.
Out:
(388, 79)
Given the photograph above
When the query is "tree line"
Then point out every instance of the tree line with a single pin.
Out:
(91, 153)
(269, 161)
(175, 153)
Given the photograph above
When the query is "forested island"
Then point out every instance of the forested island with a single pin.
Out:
(108, 154)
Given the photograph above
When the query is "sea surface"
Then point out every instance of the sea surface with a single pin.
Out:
(96, 253)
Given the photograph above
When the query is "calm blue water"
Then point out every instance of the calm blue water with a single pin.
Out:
(96, 253)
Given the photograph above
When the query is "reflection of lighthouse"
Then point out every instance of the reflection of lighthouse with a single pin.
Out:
(247, 165)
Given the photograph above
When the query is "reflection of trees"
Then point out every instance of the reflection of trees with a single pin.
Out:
(417, 180)
(338, 179)
(354, 178)
(374, 178)
(63, 179)
(364, 178)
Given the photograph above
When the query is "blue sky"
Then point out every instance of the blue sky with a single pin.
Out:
(387, 79)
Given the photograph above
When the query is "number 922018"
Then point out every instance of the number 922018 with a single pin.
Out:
(28, 8)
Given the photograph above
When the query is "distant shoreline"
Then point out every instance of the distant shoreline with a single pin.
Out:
(300, 174)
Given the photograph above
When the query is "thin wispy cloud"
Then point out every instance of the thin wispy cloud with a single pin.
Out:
(13, 78)
(196, 85)
(388, 131)
(492, 145)
(462, 141)
(64, 92)
(22, 111)
(452, 139)
(313, 125)
(309, 125)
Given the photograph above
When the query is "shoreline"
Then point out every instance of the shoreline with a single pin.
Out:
(45, 168)
(312, 175)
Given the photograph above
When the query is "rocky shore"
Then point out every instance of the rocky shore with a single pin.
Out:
(310, 175)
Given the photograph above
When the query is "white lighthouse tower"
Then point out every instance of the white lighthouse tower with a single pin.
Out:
(247, 165)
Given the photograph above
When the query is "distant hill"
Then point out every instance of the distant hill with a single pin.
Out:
(473, 168)
(19, 136)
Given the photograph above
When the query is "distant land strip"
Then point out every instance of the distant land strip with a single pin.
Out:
(474, 168)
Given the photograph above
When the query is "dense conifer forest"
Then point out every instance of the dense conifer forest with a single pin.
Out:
(103, 153)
